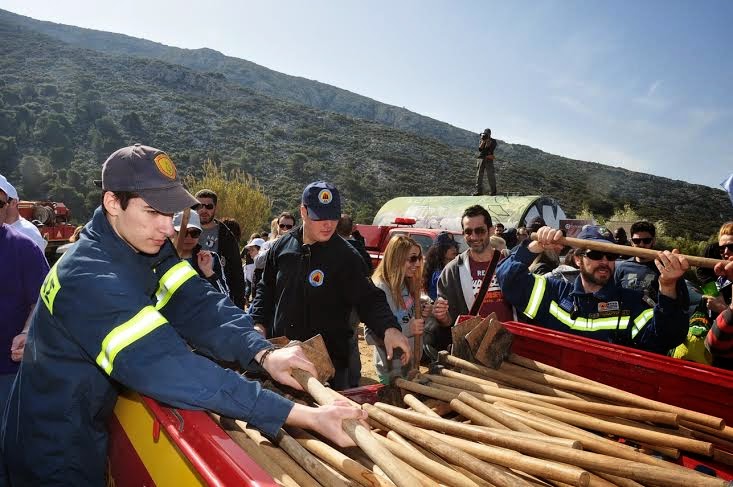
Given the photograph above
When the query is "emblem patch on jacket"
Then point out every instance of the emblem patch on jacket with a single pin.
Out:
(316, 278)
(609, 306)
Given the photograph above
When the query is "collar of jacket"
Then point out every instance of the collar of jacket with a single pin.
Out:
(99, 229)
(608, 292)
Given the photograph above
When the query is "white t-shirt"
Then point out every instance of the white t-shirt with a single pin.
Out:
(30, 230)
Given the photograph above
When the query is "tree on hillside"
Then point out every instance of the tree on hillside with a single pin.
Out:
(240, 195)
(34, 173)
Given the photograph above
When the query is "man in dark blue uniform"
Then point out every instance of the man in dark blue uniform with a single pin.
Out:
(120, 308)
(595, 306)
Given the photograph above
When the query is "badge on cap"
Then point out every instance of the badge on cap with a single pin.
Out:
(325, 196)
(316, 278)
(165, 166)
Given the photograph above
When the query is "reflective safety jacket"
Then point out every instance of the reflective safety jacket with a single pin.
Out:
(613, 314)
(109, 317)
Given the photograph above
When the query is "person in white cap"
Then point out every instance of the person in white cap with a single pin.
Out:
(205, 262)
(252, 275)
(17, 222)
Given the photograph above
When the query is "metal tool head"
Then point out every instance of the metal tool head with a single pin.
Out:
(459, 331)
(496, 345)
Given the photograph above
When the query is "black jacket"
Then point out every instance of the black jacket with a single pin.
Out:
(229, 253)
(310, 289)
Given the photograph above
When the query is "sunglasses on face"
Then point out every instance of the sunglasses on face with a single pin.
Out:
(478, 231)
(208, 206)
(597, 255)
(645, 240)
(286, 226)
(728, 247)
(193, 233)
(414, 258)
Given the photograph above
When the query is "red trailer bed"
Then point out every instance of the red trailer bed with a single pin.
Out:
(210, 457)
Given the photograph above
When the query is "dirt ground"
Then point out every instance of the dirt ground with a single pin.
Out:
(368, 372)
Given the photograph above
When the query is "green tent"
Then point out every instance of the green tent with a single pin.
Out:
(445, 211)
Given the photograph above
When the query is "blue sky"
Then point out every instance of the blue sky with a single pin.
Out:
(642, 85)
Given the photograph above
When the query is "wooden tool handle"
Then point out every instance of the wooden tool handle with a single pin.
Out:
(360, 434)
(628, 250)
(182, 230)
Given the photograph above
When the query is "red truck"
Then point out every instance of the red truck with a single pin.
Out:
(53, 219)
(376, 237)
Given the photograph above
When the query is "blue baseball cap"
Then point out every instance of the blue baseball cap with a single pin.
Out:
(322, 200)
(596, 232)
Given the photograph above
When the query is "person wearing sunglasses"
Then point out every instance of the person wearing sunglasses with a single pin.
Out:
(720, 336)
(216, 237)
(461, 289)
(638, 272)
(594, 305)
(312, 280)
(398, 275)
(281, 225)
(207, 264)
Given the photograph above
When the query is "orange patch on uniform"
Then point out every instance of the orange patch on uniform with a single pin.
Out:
(325, 196)
(165, 166)
(316, 278)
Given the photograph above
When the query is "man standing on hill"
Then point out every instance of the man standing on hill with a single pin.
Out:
(485, 163)
(216, 237)
(312, 280)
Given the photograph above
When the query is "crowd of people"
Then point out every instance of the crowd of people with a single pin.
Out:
(151, 296)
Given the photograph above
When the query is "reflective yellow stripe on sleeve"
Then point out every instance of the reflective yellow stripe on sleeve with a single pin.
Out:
(147, 320)
(641, 321)
(50, 288)
(535, 298)
(172, 280)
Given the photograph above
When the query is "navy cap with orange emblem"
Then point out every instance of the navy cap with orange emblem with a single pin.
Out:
(149, 173)
(322, 200)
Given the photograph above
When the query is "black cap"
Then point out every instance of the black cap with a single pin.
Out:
(148, 172)
(322, 200)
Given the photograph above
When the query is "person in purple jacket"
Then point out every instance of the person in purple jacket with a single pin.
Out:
(22, 270)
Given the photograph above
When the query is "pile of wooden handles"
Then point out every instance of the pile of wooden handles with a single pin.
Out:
(525, 424)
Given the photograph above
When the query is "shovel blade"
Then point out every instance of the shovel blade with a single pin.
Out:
(495, 346)
(315, 351)
(459, 331)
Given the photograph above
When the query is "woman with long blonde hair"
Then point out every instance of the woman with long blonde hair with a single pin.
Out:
(399, 276)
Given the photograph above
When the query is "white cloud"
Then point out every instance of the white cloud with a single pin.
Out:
(651, 99)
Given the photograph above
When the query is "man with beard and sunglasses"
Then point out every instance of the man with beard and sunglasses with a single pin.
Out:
(637, 272)
(218, 238)
(595, 306)
(461, 280)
